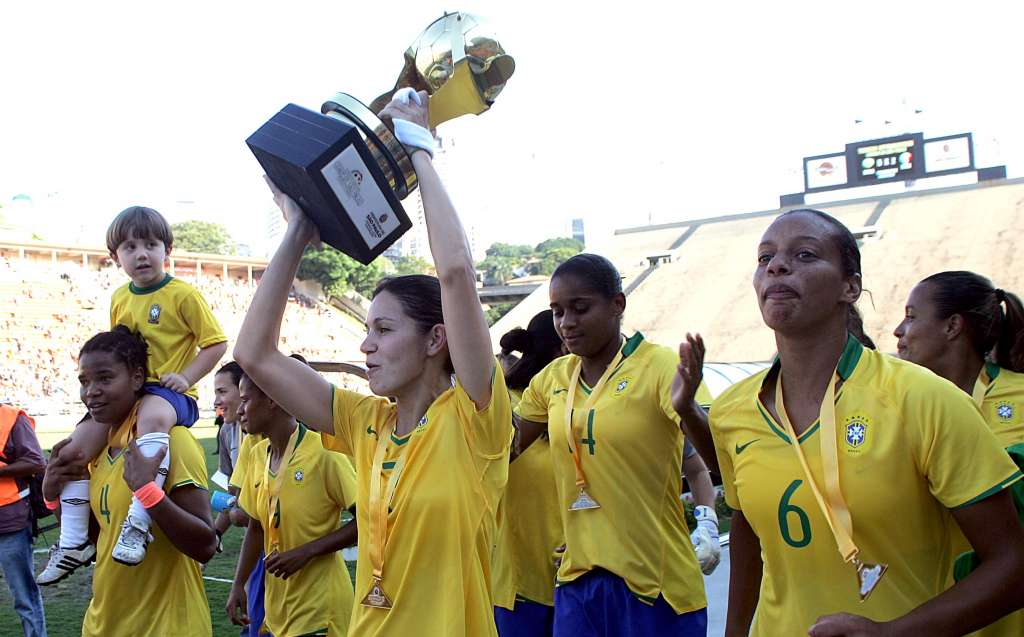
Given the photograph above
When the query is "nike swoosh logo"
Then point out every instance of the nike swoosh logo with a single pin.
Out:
(560, 391)
(740, 448)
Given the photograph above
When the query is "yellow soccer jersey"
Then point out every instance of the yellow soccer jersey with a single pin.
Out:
(441, 526)
(173, 318)
(1003, 403)
(631, 450)
(317, 487)
(164, 595)
(911, 446)
(245, 447)
(529, 528)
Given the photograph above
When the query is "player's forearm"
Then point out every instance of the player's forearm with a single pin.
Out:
(526, 433)
(334, 541)
(696, 427)
(184, 517)
(252, 544)
(702, 488)
(261, 328)
(745, 572)
(987, 594)
(20, 469)
(204, 362)
(221, 524)
(448, 243)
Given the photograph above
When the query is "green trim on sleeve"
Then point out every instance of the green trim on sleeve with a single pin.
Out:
(1017, 475)
(188, 482)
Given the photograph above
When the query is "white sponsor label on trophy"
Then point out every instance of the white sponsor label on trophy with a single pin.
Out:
(357, 191)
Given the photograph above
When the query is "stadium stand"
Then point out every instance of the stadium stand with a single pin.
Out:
(696, 275)
(49, 307)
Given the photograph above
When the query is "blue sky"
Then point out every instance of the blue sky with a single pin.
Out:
(660, 112)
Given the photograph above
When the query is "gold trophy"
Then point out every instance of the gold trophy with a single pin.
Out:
(345, 166)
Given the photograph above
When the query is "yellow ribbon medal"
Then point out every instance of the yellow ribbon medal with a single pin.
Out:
(834, 508)
(379, 504)
(274, 526)
(584, 501)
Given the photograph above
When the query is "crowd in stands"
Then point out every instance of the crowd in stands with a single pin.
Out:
(48, 310)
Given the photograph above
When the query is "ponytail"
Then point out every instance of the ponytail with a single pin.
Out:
(1009, 351)
(855, 325)
(995, 334)
(539, 343)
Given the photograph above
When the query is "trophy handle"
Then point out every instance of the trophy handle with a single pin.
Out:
(383, 144)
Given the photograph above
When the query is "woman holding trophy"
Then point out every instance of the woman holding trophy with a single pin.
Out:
(430, 449)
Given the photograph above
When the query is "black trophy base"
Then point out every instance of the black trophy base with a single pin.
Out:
(323, 164)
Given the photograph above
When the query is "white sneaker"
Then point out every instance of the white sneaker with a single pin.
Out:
(130, 549)
(64, 562)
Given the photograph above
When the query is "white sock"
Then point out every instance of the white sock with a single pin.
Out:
(74, 514)
(150, 445)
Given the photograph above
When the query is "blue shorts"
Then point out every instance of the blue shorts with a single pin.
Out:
(526, 619)
(254, 606)
(599, 604)
(184, 405)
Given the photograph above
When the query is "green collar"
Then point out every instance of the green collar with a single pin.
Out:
(992, 370)
(153, 288)
(847, 361)
(630, 346)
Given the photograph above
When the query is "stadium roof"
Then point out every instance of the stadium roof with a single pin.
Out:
(696, 275)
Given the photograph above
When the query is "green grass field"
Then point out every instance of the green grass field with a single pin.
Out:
(65, 603)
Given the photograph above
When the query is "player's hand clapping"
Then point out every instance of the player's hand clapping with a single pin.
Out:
(689, 373)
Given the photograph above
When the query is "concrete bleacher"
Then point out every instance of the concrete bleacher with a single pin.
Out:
(703, 283)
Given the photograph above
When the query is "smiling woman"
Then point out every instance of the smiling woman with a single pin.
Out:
(164, 595)
(431, 452)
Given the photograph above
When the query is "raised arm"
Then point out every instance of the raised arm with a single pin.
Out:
(694, 420)
(469, 342)
(291, 384)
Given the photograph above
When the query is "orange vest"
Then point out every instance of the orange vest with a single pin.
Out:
(9, 491)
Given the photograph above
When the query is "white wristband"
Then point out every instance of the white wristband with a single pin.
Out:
(414, 135)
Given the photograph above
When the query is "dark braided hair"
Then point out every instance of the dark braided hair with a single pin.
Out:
(126, 346)
(995, 333)
(849, 255)
(539, 344)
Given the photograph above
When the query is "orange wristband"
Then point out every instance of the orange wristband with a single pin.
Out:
(149, 495)
(51, 504)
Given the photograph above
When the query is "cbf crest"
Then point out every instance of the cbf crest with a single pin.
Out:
(857, 434)
(1005, 411)
(298, 476)
(154, 314)
(622, 385)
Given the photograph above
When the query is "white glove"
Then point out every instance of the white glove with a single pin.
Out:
(705, 539)
(406, 132)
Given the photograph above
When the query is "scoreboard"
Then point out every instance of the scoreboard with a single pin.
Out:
(890, 159)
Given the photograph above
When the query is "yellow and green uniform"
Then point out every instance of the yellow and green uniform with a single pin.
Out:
(1000, 407)
(175, 320)
(238, 474)
(1003, 405)
(441, 520)
(631, 449)
(317, 487)
(911, 446)
(529, 528)
(163, 595)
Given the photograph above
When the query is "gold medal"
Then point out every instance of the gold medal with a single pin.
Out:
(377, 598)
(584, 501)
(868, 576)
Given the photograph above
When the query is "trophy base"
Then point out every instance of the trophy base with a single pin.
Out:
(325, 165)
